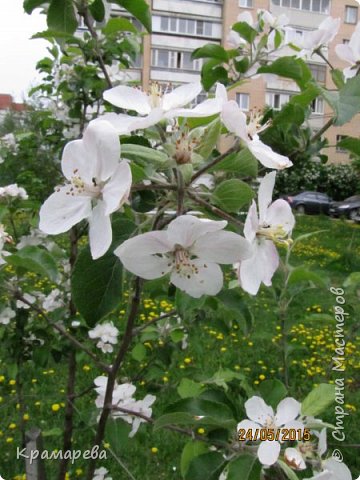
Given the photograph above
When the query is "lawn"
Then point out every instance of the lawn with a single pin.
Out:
(250, 346)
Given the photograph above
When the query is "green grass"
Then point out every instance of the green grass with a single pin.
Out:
(214, 341)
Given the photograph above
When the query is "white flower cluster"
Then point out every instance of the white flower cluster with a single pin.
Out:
(101, 474)
(107, 334)
(13, 191)
(4, 238)
(123, 398)
(288, 417)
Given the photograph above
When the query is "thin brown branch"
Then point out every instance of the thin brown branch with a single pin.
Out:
(64, 332)
(100, 432)
(215, 161)
(214, 210)
(322, 130)
(87, 20)
(136, 331)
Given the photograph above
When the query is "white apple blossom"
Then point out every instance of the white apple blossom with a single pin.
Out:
(350, 53)
(13, 191)
(152, 107)
(333, 470)
(315, 39)
(260, 415)
(4, 238)
(100, 473)
(107, 334)
(123, 398)
(53, 301)
(6, 315)
(97, 185)
(29, 298)
(114, 71)
(235, 121)
(294, 459)
(273, 225)
(191, 250)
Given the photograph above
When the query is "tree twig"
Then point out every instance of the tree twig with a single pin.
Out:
(215, 161)
(215, 210)
(137, 330)
(322, 130)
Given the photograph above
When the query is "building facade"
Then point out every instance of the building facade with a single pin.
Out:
(180, 26)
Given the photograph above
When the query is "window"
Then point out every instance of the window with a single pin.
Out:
(346, 41)
(338, 139)
(243, 100)
(318, 6)
(318, 72)
(186, 26)
(245, 3)
(351, 14)
(174, 59)
(317, 106)
(277, 100)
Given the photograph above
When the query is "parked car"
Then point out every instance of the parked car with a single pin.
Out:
(350, 208)
(309, 202)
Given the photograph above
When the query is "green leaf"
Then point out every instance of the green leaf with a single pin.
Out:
(97, 10)
(289, 67)
(291, 475)
(176, 418)
(138, 353)
(350, 143)
(346, 102)
(353, 280)
(137, 172)
(30, 5)
(61, 16)
(96, 285)
(211, 50)
(190, 451)
(119, 24)
(35, 259)
(302, 274)
(338, 78)
(272, 391)
(245, 31)
(223, 376)
(188, 388)
(117, 434)
(209, 138)
(218, 413)
(143, 155)
(243, 163)
(185, 304)
(54, 34)
(207, 466)
(245, 467)
(139, 9)
(212, 72)
(53, 432)
(232, 194)
(318, 400)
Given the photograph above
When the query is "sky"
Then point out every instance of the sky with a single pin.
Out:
(19, 54)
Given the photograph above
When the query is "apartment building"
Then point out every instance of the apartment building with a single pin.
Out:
(180, 26)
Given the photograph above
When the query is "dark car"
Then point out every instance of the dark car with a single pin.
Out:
(309, 202)
(350, 208)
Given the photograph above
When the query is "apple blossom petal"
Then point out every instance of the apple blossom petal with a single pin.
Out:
(154, 117)
(265, 194)
(221, 247)
(350, 72)
(139, 255)
(294, 424)
(322, 445)
(186, 229)
(116, 191)
(246, 17)
(260, 268)
(234, 120)
(280, 213)
(354, 43)
(344, 52)
(181, 96)
(267, 156)
(101, 137)
(258, 411)
(294, 458)
(268, 452)
(129, 98)
(339, 470)
(100, 233)
(62, 211)
(120, 121)
(247, 425)
(251, 223)
(77, 161)
(207, 281)
(221, 93)
(287, 410)
(207, 108)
